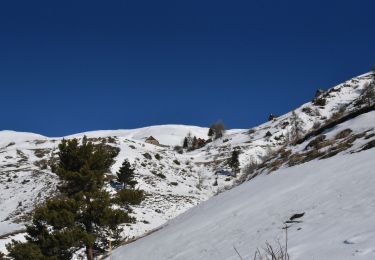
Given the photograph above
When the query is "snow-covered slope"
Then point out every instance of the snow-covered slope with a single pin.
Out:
(171, 135)
(7, 137)
(176, 181)
(336, 194)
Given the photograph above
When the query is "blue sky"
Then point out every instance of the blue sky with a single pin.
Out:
(73, 66)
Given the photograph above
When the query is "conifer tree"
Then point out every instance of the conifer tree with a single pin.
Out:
(185, 144)
(81, 216)
(233, 162)
(194, 143)
(210, 132)
(125, 175)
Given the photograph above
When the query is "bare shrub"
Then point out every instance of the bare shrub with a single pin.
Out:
(335, 116)
(343, 134)
(320, 101)
(368, 94)
(316, 143)
(216, 130)
(248, 171)
(249, 168)
(178, 149)
(296, 131)
(367, 97)
(251, 131)
(271, 252)
(369, 145)
(316, 125)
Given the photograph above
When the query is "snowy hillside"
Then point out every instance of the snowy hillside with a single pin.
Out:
(165, 134)
(176, 180)
(336, 194)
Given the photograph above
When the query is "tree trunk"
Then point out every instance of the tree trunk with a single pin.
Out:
(89, 252)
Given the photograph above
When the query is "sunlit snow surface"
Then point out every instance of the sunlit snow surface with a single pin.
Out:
(336, 194)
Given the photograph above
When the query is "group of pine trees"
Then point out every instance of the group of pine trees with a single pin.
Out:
(189, 141)
(192, 142)
(81, 215)
(215, 131)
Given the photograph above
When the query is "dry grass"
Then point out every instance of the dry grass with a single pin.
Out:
(343, 134)
(271, 252)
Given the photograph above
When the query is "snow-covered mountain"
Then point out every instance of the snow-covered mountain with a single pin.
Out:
(175, 181)
(336, 195)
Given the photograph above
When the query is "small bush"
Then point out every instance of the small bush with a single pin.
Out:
(335, 116)
(295, 159)
(158, 157)
(111, 140)
(285, 124)
(249, 168)
(42, 164)
(179, 149)
(160, 175)
(127, 197)
(173, 183)
(307, 110)
(284, 154)
(176, 162)
(369, 145)
(343, 134)
(147, 156)
(25, 181)
(272, 117)
(316, 143)
(316, 125)
(311, 155)
(251, 131)
(10, 144)
(319, 101)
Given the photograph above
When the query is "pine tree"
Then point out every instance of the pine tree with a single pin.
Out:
(194, 144)
(233, 162)
(189, 142)
(210, 132)
(125, 175)
(82, 215)
(185, 144)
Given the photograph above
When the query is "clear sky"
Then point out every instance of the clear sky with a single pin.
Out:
(73, 66)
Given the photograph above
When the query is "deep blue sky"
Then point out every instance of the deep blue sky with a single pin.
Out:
(73, 66)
